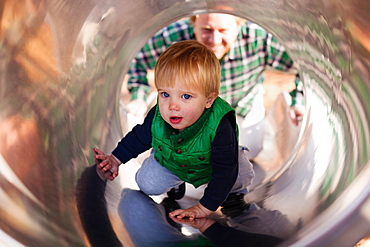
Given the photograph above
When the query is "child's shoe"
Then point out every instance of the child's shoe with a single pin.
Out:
(170, 205)
(177, 193)
(234, 205)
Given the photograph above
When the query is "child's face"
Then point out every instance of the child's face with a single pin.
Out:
(181, 107)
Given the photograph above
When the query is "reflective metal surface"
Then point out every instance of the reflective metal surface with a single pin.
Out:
(61, 70)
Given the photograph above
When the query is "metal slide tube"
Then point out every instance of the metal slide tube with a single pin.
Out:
(62, 65)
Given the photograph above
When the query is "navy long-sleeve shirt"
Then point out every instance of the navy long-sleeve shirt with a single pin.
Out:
(224, 158)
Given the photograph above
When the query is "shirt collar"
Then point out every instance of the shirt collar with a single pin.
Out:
(235, 48)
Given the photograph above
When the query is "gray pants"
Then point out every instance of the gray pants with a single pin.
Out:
(154, 179)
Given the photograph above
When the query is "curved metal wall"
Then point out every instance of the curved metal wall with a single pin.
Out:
(62, 65)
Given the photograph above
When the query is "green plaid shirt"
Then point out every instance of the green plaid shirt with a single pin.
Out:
(241, 68)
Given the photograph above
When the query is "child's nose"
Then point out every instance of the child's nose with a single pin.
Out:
(174, 106)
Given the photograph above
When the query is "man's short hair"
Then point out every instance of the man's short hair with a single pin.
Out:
(239, 21)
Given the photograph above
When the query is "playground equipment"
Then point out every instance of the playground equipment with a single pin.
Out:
(61, 70)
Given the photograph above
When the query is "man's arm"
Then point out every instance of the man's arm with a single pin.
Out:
(279, 59)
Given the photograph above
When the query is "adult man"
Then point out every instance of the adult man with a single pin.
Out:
(244, 50)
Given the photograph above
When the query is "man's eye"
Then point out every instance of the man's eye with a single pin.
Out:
(165, 95)
(206, 30)
(186, 96)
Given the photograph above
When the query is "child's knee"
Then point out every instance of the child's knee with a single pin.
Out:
(245, 167)
(149, 187)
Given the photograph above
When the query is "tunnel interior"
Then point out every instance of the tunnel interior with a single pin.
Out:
(62, 68)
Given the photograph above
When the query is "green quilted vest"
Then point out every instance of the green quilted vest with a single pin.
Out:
(188, 153)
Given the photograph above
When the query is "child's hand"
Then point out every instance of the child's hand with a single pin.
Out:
(201, 224)
(97, 152)
(107, 165)
(196, 211)
(104, 175)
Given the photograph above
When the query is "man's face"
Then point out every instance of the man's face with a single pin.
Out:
(217, 31)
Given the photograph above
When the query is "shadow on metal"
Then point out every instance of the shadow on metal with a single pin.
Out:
(61, 70)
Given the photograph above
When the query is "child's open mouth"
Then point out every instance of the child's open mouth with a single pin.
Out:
(175, 120)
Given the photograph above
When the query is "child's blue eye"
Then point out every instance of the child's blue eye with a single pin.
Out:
(166, 95)
(186, 96)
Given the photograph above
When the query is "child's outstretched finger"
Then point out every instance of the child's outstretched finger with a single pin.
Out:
(181, 213)
(176, 212)
(99, 156)
(106, 165)
(97, 151)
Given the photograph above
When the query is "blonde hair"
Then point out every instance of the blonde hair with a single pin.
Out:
(192, 63)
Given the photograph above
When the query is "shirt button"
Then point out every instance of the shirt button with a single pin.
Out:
(180, 140)
(201, 158)
(178, 151)
(160, 148)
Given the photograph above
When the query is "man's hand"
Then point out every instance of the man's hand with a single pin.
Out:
(196, 211)
(296, 114)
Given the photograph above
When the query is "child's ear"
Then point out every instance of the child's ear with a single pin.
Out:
(211, 98)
